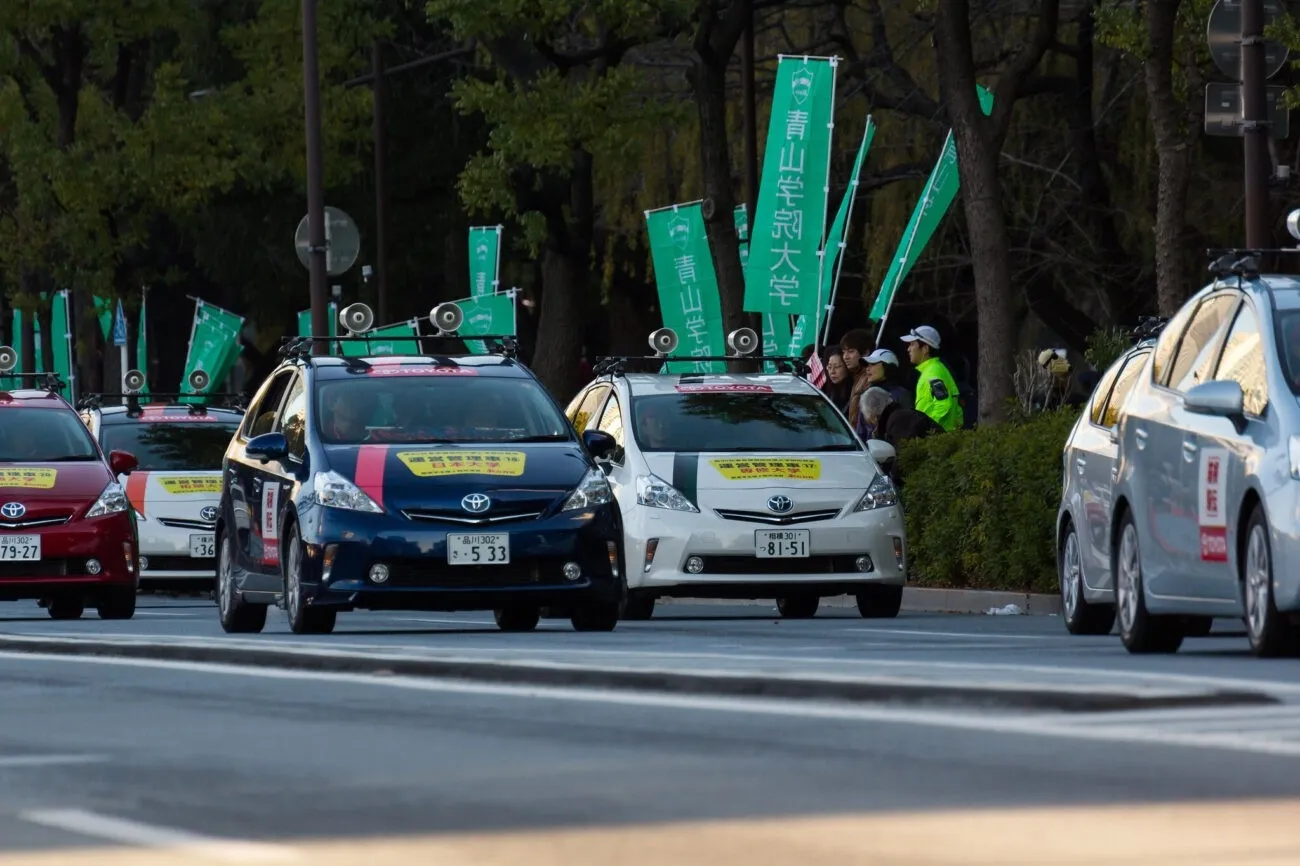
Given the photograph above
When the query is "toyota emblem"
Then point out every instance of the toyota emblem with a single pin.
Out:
(12, 510)
(779, 504)
(476, 503)
(208, 513)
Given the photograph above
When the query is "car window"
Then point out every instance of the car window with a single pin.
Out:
(1102, 391)
(401, 406)
(1243, 361)
(173, 445)
(748, 422)
(611, 422)
(1123, 387)
(588, 407)
(1194, 360)
(1168, 342)
(293, 419)
(261, 418)
(31, 435)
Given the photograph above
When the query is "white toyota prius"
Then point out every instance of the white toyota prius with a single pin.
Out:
(745, 486)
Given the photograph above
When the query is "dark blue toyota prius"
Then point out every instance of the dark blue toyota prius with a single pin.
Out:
(420, 482)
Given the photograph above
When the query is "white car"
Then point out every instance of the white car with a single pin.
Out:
(745, 486)
(176, 490)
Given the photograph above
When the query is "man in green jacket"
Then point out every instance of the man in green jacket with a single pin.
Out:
(936, 392)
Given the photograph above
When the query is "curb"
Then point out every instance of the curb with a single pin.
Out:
(920, 600)
(714, 684)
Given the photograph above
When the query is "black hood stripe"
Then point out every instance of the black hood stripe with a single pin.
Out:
(686, 476)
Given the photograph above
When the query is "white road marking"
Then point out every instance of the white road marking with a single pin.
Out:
(163, 613)
(964, 635)
(1054, 725)
(8, 761)
(444, 621)
(148, 836)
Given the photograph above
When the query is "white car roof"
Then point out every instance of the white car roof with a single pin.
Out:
(685, 383)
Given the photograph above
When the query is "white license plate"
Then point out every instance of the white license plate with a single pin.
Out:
(203, 546)
(20, 548)
(782, 543)
(478, 549)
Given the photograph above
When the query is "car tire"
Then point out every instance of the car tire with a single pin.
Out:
(66, 608)
(640, 606)
(598, 616)
(117, 604)
(798, 606)
(1081, 616)
(1139, 631)
(517, 618)
(237, 616)
(880, 601)
(303, 619)
(1271, 632)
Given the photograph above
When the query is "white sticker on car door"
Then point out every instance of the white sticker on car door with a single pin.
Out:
(270, 524)
(1210, 516)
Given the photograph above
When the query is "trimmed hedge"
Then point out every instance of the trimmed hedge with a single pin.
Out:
(981, 504)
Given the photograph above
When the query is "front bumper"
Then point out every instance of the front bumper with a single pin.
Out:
(341, 548)
(66, 551)
(167, 554)
(660, 543)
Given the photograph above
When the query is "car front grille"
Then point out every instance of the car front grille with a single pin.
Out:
(179, 563)
(778, 519)
(435, 515)
(179, 523)
(43, 568)
(804, 565)
(436, 575)
(32, 523)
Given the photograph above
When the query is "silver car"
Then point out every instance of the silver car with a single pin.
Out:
(1083, 520)
(1205, 515)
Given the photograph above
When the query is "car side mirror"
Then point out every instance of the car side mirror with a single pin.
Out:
(122, 462)
(267, 447)
(600, 444)
(880, 451)
(1224, 399)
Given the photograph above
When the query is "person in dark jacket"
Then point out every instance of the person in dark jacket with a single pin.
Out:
(894, 423)
(883, 372)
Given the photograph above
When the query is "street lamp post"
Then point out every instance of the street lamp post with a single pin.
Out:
(315, 178)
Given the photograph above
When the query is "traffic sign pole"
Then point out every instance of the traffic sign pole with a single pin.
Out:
(315, 178)
(1254, 106)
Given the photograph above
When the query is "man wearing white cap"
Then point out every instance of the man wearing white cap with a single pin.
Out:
(883, 372)
(936, 392)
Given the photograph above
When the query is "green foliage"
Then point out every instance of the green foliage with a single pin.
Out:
(1105, 345)
(981, 504)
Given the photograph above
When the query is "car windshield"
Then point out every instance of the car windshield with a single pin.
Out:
(177, 446)
(44, 436)
(401, 407)
(739, 422)
(1288, 346)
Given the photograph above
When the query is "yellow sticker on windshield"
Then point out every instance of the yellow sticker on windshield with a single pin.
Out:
(31, 479)
(192, 484)
(430, 464)
(737, 469)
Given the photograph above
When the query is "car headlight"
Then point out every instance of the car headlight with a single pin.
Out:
(880, 494)
(1293, 452)
(653, 492)
(111, 501)
(592, 491)
(334, 491)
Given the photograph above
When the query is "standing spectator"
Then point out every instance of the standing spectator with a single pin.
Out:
(883, 372)
(894, 423)
(837, 387)
(855, 345)
(936, 392)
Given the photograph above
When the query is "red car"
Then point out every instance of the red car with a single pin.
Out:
(67, 534)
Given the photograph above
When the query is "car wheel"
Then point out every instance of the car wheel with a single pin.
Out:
(1139, 631)
(520, 618)
(597, 616)
(117, 604)
(303, 619)
(640, 606)
(880, 601)
(1081, 616)
(66, 608)
(237, 615)
(1271, 633)
(798, 606)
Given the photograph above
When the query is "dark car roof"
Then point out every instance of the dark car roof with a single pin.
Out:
(32, 398)
(332, 367)
(181, 412)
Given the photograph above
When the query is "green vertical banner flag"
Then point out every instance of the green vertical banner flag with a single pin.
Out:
(487, 314)
(833, 254)
(214, 347)
(741, 214)
(937, 197)
(782, 275)
(61, 343)
(484, 260)
(304, 321)
(105, 309)
(399, 339)
(687, 283)
(142, 341)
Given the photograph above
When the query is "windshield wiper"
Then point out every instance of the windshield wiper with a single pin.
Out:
(833, 448)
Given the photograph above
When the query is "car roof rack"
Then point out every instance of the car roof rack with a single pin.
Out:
(300, 348)
(621, 365)
(1148, 328)
(237, 402)
(40, 381)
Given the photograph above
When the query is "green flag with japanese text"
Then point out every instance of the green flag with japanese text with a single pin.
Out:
(214, 347)
(484, 260)
(386, 341)
(687, 283)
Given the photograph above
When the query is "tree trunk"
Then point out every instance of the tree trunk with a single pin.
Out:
(565, 277)
(1173, 155)
(44, 315)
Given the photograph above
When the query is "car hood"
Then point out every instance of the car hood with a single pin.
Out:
(435, 479)
(173, 495)
(48, 490)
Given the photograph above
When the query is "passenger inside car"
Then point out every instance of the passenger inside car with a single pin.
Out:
(1291, 334)
(347, 416)
(652, 431)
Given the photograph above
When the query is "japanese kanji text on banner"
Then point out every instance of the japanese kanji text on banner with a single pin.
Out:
(687, 283)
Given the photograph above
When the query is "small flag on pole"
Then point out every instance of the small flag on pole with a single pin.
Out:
(817, 372)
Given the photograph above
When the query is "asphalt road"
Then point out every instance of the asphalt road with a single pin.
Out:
(152, 762)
